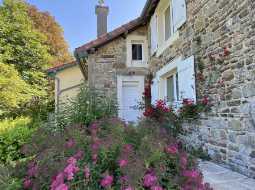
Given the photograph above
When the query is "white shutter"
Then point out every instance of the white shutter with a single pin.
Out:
(154, 91)
(179, 13)
(186, 79)
(154, 34)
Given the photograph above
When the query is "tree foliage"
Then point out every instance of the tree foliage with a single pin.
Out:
(24, 57)
(46, 24)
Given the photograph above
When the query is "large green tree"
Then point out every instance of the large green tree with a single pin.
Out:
(23, 49)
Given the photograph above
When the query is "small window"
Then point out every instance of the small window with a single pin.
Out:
(167, 23)
(137, 52)
(170, 88)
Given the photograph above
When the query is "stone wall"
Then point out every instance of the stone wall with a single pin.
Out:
(110, 60)
(228, 131)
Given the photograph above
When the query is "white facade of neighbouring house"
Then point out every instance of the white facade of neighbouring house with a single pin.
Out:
(68, 80)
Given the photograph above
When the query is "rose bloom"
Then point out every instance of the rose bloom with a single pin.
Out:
(27, 183)
(149, 180)
(171, 149)
(191, 173)
(106, 181)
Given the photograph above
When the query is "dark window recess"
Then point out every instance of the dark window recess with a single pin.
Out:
(137, 52)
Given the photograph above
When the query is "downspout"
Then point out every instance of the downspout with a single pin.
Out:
(57, 88)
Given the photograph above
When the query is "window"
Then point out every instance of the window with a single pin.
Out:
(171, 87)
(137, 52)
(167, 24)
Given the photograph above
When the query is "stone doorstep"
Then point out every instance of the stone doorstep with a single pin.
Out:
(224, 179)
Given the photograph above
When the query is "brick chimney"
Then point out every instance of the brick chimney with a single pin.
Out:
(102, 14)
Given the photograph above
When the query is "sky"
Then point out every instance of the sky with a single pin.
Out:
(78, 19)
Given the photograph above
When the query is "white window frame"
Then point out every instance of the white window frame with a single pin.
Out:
(137, 62)
(160, 13)
(161, 76)
(170, 24)
(173, 73)
(136, 39)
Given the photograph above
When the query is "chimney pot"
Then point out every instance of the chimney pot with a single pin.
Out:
(102, 12)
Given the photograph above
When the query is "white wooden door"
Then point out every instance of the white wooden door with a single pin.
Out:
(130, 91)
(130, 100)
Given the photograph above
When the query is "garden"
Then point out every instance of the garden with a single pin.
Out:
(86, 146)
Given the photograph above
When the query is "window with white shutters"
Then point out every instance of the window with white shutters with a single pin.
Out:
(186, 79)
(154, 34)
(179, 13)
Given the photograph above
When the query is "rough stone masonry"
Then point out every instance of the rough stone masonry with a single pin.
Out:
(227, 133)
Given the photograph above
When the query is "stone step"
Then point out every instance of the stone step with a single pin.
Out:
(224, 179)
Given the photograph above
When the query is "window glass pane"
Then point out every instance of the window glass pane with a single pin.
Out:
(177, 86)
(170, 89)
(167, 24)
(137, 52)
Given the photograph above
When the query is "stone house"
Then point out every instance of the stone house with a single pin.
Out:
(193, 49)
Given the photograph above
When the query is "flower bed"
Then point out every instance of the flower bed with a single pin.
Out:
(111, 155)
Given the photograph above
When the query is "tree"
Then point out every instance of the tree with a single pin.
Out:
(46, 24)
(13, 90)
(23, 50)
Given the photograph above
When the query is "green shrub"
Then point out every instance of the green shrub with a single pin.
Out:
(88, 106)
(13, 134)
(7, 182)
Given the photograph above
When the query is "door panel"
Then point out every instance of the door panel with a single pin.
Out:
(130, 99)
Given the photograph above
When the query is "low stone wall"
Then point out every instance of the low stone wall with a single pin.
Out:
(228, 141)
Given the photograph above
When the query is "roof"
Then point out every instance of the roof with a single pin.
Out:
(61, 67)
(148, 10)
(108, 37)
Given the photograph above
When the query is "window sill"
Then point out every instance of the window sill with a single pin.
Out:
(167, 43)
(138, 64)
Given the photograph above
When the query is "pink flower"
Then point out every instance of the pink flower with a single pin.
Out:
(191, 173)
(57, 181)
(123, 163)
(62, 187)
(70, 143)
(149, 180)
(106, 181)
(188, 102)
(71, 160)
(171, 149)
(183, 160)
(86, 172)
(79, 155)
(27, 183)
(156, 188)
(32, 171)
(70, 171)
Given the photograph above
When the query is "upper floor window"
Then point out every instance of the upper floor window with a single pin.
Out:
(169, 16)
(137, 52)
(167, 23)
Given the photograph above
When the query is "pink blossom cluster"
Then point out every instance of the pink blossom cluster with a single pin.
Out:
(96, 143)
(150, 181)
(32, 172)
(107, 181)
(58, 181)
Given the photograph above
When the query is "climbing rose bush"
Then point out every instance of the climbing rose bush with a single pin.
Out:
(111, 155)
